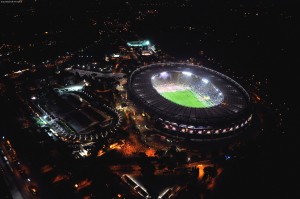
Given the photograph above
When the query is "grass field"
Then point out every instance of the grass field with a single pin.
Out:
(185, 98)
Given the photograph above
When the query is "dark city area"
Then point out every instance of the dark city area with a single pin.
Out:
(111, 99)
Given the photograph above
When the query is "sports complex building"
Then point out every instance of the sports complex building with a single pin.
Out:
(75, 115)
(191, 101)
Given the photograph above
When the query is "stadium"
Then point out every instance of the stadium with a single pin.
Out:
(190, 101)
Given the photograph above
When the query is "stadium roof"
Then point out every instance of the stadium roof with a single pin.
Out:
(235, 104)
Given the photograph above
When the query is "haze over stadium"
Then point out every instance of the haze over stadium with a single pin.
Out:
(187, 89)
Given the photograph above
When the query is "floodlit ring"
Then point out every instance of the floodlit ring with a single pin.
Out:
(234, 108)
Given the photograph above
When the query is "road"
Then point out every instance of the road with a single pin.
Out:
(18, 186)
(16, 194)
(96, 74)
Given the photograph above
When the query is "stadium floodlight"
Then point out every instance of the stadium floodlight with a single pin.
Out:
(205, 80)
(163, 74)
(138, 43)
(75, 87)
(115, 55)
(146, 43)
(187, 73)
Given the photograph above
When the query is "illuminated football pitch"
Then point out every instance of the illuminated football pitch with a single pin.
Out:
(187, 98)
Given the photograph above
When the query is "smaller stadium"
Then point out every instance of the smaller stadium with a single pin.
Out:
(74, 115)
(191, 101)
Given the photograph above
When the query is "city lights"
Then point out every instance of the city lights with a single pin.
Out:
(147, 99)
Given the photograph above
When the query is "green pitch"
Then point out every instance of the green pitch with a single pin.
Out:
(186, 98)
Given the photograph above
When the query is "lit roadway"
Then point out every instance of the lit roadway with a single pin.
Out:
(97, 74)
(18, 186)
(10, 181)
